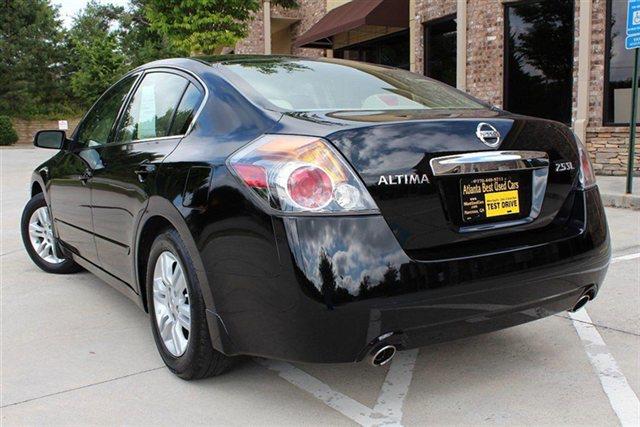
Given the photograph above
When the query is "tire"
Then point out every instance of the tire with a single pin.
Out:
(50, 258)
(173, 298)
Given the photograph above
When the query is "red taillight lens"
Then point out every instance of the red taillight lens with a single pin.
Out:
(587, 175)
(252, 175)
(300, 174)
(310, 187)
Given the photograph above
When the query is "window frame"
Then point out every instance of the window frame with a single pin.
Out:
(191, 78)
(74, 136)
(360, 45)
(607, 61)
(188, 76)
(425, 40)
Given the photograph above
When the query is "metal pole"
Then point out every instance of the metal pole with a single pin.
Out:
(632, 124)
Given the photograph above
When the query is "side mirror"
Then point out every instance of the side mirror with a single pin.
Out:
(50, 139)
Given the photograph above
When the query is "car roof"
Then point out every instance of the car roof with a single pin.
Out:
(196, 62)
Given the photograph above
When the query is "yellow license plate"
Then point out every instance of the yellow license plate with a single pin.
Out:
(501, 203)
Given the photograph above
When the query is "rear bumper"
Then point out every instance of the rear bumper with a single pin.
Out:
(298, 310)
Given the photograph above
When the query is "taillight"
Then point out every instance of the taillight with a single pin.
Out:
(300, 174)
(587, 176)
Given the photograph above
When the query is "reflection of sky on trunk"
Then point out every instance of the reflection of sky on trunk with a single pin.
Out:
(399, 148)
(357, 247)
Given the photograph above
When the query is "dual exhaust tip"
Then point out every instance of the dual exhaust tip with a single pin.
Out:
(582, 301)
(381, 355)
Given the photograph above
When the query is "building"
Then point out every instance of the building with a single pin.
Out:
(560, 59)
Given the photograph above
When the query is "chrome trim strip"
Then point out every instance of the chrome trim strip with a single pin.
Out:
(488, 161)
(160, 138)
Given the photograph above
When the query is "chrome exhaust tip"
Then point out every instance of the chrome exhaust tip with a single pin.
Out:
(582, 301)
(382, 355)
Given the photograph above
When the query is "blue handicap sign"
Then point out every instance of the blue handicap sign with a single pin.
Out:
(633, 17)
(632, 41)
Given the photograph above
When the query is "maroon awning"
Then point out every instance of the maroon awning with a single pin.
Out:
(386, 13)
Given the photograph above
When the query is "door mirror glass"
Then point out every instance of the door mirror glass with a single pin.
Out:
(50, 139)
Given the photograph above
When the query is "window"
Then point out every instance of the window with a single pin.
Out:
(186, 110)
(151, 110)
(440, 38)
(97, 125)
(618, 67)
(538, 67)
(308, 85)
(390, 50)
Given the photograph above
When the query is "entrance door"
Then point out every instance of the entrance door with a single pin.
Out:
(538, 61)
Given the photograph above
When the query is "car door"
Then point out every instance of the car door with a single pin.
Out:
(156, 117)
(69, 189)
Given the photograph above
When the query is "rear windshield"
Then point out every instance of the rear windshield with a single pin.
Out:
(305, 85)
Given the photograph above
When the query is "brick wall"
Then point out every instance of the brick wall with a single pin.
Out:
(608, 145)
(428, 10)
(309, 12)
(485, 52)
(26, 129)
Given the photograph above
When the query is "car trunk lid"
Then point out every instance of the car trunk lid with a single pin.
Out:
(435, 181)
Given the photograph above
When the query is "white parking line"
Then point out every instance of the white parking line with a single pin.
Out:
(334, 399)
(622, 398)
(388, 409)
(396, 385)
(625, 257)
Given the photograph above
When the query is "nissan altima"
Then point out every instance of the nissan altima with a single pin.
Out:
(316, 210)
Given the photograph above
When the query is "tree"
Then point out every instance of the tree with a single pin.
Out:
(94, 45)
(328, 278)
(139, 42)
(33, 58)
(8, 135)
(204, 26)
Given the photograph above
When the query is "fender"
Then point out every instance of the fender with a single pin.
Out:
(161, 207)
(40, 177)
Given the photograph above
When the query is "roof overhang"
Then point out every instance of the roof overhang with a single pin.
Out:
(357, 13)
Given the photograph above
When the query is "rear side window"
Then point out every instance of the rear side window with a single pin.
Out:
(96, 127)
(151, 110)
(186, 110)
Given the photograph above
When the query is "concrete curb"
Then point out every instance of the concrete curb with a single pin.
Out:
(627, 201)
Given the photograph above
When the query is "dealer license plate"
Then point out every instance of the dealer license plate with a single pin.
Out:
(490, 197)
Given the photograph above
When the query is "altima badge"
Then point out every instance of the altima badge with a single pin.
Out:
(488, 134)
(403, 179)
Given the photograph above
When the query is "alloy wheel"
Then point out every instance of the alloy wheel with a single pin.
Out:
(41, 236)
(171, 303)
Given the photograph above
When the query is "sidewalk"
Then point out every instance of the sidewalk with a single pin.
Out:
(612, 190)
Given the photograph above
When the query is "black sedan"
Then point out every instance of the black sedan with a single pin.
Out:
(316, 210)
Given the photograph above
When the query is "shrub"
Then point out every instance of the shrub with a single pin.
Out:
(8, 135)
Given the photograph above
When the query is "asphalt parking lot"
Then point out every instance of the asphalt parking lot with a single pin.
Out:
(75, 351)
